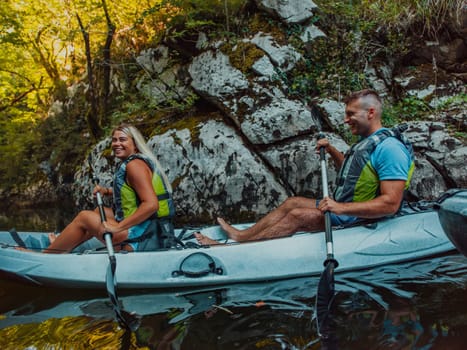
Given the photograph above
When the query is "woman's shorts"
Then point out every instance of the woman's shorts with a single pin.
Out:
(137, 231)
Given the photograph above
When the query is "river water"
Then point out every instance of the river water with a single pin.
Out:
(416, 305)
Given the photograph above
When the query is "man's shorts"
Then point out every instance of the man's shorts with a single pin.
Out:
(341, 220)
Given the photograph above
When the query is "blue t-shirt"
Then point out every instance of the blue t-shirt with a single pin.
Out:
(391, 160)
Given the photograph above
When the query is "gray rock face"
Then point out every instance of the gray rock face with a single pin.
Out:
(281, 119)
(218, 174)
(212, 75)
(290, 11)
(284, 57)
(159, 81)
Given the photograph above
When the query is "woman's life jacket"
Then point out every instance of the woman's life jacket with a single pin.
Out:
(126, 199)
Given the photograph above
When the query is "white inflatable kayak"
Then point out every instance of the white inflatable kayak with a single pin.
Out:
(415, 234)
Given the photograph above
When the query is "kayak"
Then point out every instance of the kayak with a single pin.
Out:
(452, 212)
(414, 233)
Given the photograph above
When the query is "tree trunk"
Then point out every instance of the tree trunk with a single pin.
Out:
(107, 66)
(92, 116)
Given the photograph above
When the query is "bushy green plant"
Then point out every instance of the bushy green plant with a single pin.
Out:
(458, 100)
(212, 16)
(408, 109)
(412, 108)
(328, 70)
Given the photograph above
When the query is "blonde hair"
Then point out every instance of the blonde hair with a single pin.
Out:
(143, 148)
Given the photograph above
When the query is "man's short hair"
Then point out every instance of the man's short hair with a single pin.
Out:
(362, 93)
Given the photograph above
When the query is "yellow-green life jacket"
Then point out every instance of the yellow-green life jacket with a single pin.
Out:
(126, 199)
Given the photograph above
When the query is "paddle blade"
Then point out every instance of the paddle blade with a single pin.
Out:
(110, 281)
(325, 297)
(130, 321)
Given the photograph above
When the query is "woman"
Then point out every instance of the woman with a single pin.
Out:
(142, 201)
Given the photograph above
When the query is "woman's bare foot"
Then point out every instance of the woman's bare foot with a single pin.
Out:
(203, 240)
(23, 249)
(52, 237)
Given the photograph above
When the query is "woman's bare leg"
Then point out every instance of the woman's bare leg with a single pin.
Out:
(269, 221)
(82, 228)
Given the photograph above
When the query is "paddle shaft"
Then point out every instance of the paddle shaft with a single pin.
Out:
(325, 294)
(107, 235)
(327, 214)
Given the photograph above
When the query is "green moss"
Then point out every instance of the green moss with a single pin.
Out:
(107, 153)
(242, 55)
(177, 181)
(191, 122)
(260, 23)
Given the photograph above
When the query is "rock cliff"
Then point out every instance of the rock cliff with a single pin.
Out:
(257, 146)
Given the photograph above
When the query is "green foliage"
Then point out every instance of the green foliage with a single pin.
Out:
(215, 17)
(424, 18)
(412, 108)
(458, 100)
(15, 141)
(68, 138)
(352, 42)
(325, 71)
(357, 34)
(9, 24)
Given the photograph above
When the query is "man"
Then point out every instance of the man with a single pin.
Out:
(371, 182)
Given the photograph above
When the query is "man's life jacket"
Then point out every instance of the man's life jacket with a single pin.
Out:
(126, 199)
(357, 180)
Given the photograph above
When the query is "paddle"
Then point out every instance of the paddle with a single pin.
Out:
(325, 293)
(126, 319)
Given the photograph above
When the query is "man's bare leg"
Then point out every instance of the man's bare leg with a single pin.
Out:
(270, 220)
(299, 219)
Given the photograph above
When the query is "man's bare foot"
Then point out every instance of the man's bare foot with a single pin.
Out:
(203, 240)
(230, 230)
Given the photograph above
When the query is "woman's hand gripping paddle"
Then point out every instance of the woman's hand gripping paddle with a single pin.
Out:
(126, 319)
(325, 293)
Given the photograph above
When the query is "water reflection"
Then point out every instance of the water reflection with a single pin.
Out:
(417, 305)
(202, 319)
